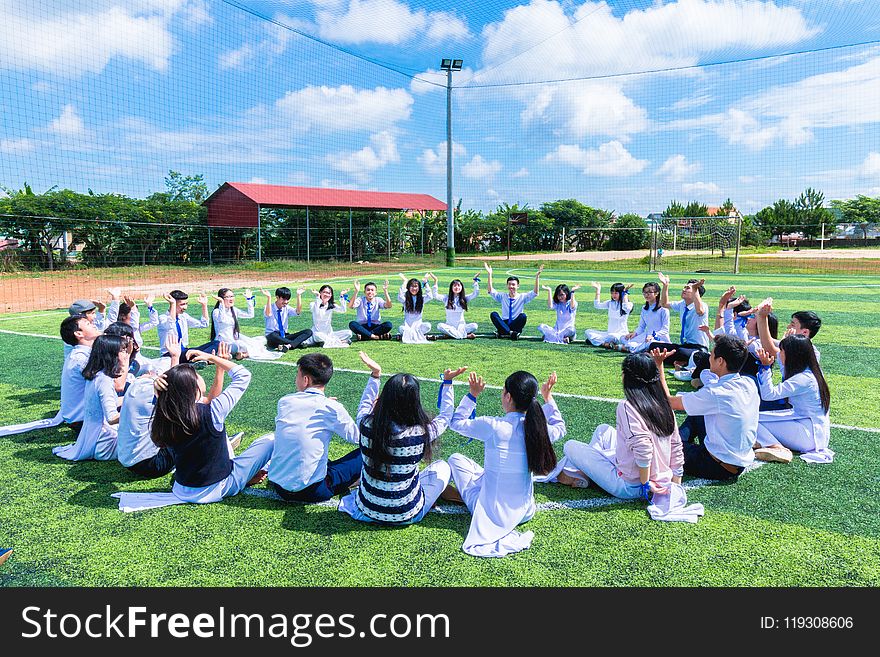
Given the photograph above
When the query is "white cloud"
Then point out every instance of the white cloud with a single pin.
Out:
(78, 42)
(276, 36)
(610, 159)
(700, 189)
(361, 164)
(871, 165)
(740, 127)
(41, 87)
(69, 124)
(434, 162)
(690, 103)
(522, 173)
(388, 22)
(16, 146)
(676, 168)
(236, 58)
(258, 181)
(480, 169)
(346, 108)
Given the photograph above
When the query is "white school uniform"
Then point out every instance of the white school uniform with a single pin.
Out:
(617, 323)
(133, 440)
(134, 319)
(322, 326)
(565, 320)
(730, 409)
(499, 495)
(97, 439)
(455, 326)
(653, 326)
(184, 323)
(512, 307)
(244, 466)
(73, 384)
(305, 423)
(280, 319)
(413, 330)
(805, 427)
(224, 322)
(691, 321)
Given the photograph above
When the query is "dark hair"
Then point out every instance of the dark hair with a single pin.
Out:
(701, 289)
(742, 307)
(235, 331)
(513, 278)
(620, 288)
(317, 366)
(124, 330)
(105, 356)
(331, 303)
(799, 356)
(69, 326)
(179, 295)
(808, 320)
(413, 304)
(398, 407)
(124, 311)
(176, 413)
(562, 287)
(656, 287)
(644, 391)
(369, 284)
(732, 350)
(773, 325)
(462, 297)
(283, 292)
(523, 389)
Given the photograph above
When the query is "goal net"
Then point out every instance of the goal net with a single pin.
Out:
(697, 244)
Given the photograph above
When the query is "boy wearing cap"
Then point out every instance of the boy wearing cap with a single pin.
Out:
(78, 333)
(92, 311)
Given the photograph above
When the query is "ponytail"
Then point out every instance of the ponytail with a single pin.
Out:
(523, 389)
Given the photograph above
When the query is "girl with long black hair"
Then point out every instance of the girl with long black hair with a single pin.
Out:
(224, 320)
(412, 295)
(500, 494)
(618, 307)
(456, 304)
(396, 434)
(107, 376)
(563, 302)
(805, 427)
(644, 453)
(653, 322)
(322, 309)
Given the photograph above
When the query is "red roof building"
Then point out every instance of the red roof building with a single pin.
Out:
(239, 204)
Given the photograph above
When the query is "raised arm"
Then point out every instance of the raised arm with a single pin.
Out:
(371, 391)
(538, 279)
(699, 305)
(549, 296)
(762, 313)
(267, 309)
(299, 300)
(479, 428)
(223, 404)
(489, 287)
(555, 424)
(357, 291)
(659, 357)
(664, 289)
(248, 312)
(722, 306)
(387, 298)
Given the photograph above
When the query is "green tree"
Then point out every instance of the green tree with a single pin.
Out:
(633, 235)
(186, 188)
(811, 212)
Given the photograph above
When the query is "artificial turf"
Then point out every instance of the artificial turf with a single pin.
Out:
(783, 525)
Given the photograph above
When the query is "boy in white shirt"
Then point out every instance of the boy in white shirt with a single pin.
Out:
(729, 408)
(300, 470)
(369, 324)
(79, 333)
(278, 316)
(512, 320)
(177, 319)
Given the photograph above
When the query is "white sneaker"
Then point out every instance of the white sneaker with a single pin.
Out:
(682, 375)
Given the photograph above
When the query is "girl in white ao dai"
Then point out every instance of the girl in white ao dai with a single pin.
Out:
(563, 302)
(322, 321)
(412, 297)
(618, 307)
(456, 304)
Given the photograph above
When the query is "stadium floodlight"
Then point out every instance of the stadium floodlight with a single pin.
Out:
(449, 65)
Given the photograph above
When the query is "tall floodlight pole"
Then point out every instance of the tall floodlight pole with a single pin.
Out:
(449, 65)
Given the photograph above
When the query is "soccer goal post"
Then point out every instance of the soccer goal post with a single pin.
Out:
(696, 244)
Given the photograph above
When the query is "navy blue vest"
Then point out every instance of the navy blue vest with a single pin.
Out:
(203, 459)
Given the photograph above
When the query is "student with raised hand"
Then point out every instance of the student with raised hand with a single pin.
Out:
(456, 304)
(412, 295)
(178, 320)
(224, 320)
(563, 302)
(806, 427)
(369, 325)
(512, 320)
(195, 434)
(127, 312)
(653, 322)
(106, 375)
(307, 419)
(618, 308)
(729, 408)
(396, 434)
(500, 495)
(805, 323)
(323, 308)
(278, 314)
(694, 314)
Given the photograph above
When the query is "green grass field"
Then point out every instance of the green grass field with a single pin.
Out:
(780, 525)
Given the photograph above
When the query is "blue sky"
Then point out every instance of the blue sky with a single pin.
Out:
(613, 103)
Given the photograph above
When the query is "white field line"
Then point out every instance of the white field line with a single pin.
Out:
(567, 395)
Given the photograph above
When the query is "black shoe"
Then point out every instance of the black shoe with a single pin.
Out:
(514, 335)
